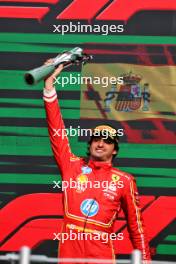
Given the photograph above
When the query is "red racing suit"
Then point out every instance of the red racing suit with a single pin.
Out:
(91, 207)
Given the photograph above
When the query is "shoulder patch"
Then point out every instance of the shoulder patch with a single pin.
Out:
(115, 177)
(74, 158)
(122, 174)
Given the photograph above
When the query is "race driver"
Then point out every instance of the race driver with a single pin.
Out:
(86, 209)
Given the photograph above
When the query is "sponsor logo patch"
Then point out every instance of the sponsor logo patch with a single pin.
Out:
(82, 180)
(86, 170)
(89, 207)
(115, 177)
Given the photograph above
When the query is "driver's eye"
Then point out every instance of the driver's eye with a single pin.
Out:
(108, 141)
(96, 138)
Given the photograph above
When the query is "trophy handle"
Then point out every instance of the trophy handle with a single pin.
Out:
(37, 74)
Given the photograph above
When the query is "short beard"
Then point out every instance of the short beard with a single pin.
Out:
(96, 158)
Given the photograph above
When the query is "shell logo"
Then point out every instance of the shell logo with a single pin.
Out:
(82, 178)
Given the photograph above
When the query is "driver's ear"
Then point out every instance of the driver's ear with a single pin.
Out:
(114, 152)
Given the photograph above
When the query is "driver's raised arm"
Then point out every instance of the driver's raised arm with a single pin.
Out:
(56, 127)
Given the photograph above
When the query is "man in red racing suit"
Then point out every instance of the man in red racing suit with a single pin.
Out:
(88, 209)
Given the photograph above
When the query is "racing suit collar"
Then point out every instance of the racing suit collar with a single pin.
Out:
(99, 164)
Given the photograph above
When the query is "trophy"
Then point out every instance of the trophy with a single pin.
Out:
(67, 58)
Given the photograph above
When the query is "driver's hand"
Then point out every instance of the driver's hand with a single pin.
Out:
(49, 81)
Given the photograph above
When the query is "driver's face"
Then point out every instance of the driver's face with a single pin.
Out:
(102, 149)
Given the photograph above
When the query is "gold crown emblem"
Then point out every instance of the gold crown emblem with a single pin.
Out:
(131, 78)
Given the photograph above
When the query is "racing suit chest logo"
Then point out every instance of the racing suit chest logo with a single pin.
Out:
(82, 181)
(86, 170)
(89, 207)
